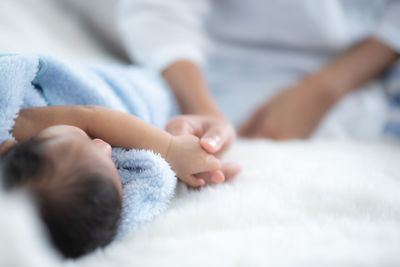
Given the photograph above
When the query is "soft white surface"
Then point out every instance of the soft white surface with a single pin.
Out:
(295, 204)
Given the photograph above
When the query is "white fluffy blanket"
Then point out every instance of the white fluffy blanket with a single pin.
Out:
(295, 204)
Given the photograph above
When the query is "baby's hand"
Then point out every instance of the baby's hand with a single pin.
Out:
(187, 158)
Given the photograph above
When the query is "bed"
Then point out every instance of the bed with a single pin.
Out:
(298, 203)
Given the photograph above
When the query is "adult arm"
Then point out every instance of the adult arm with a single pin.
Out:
(173, 43)
(296, 112)
(206, 121)
(203, 119)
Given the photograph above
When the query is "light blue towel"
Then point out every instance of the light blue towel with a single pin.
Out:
(29, 80)
(144, 170)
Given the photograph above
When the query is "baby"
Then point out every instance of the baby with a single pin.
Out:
(63, 159)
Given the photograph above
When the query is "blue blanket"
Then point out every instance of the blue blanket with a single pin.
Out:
(29, 80)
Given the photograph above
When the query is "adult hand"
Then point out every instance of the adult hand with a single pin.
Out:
(216, 135)
(293, 113)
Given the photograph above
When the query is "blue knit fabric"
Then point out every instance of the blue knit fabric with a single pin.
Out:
(30, 80)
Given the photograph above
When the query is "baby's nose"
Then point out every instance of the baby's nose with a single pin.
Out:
(106, 147)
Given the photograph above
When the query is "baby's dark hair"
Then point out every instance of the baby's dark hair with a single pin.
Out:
(81, 213)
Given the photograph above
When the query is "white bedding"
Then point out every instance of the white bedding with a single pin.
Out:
(304, 203)
(295, 204)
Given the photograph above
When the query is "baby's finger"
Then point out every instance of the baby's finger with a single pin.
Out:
(208, 163)
(212, 177)
(193, 181)
(227, 172)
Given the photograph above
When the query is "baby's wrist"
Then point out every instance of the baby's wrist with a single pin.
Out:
(168, 148)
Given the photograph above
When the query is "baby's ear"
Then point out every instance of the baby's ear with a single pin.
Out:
(7, 145)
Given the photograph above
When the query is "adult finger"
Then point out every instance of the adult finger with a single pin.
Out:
(261, 131)
(217, 137)
(251, 125)
(271, 129)
(230, 170)
(212, 140)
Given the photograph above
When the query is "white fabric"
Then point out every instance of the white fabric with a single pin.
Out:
(309, 28)
(158, 32)
(295, 204)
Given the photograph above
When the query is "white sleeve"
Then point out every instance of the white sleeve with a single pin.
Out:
(388, 29)
(158, 33)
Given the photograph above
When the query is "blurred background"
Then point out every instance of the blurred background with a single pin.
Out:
(53, 26)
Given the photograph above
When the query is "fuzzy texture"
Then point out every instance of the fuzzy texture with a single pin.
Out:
(294, 204)
(148, 185)
(30, 80)
(15, 81)
(33, 80)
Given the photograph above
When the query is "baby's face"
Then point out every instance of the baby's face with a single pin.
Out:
(70, 148)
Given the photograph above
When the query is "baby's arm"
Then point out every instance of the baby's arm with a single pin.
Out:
(184, 153)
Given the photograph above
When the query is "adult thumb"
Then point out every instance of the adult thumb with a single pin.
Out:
(213, 140)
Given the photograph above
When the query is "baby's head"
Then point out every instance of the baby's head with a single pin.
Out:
(74, 183)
